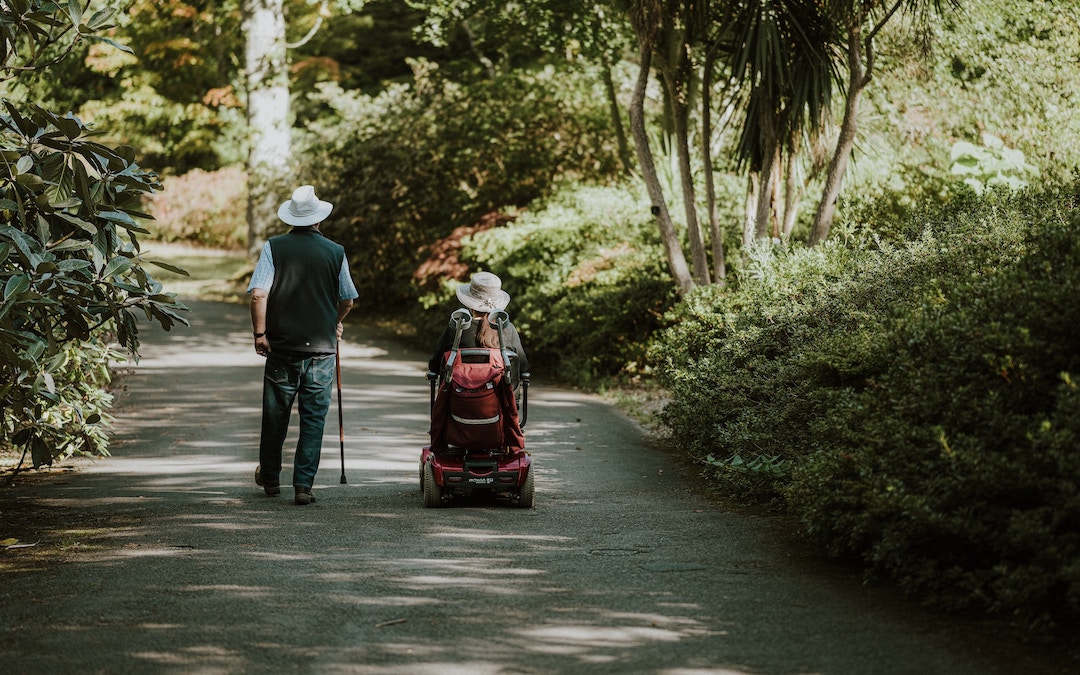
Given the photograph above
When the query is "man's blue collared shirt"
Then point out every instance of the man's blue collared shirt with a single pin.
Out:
(263, 277)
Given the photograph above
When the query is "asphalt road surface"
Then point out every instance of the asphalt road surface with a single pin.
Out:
(170, 560)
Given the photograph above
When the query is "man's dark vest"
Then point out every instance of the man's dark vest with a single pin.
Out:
(302, 307)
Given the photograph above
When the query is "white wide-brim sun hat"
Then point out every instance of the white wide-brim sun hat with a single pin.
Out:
(483, 293)
(304, 209)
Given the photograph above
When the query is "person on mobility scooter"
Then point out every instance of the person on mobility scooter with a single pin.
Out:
(479, 382)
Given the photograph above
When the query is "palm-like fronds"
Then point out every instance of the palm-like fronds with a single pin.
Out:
(781, 56)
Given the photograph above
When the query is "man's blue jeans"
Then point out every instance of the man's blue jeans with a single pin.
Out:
(288, 378)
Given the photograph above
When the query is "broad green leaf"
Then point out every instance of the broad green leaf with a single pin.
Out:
(116, 266)
(72, 245)
(79, 223)
(58, 361)
(45, 267)
(69, 127)
(25, 126)
(101, 18)
(111, 43)
(26, 245)
(75, 11)
(169, 267)
(30, 180)
(15, 285)
(73, 264)
(118, 217)
(69, 203)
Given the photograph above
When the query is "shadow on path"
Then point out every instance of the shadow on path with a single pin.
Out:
(170, 560)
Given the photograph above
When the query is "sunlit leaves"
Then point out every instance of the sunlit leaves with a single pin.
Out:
(70, 272)
(990, 164)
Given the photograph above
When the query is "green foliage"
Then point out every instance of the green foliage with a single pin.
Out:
(587, 276)
(1000, 67)
(922, 395)
(991, 165)
(205, 208)
(71, 276)
(493, 29)
(407, 167)
(74, 419)
(367, 49)
(175, 91)
(37, 34)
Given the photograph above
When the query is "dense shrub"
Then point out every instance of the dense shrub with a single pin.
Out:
(204, 208)
(71, 268)
(587, 275)
(75, 418)
(918, 399)
(409, 166)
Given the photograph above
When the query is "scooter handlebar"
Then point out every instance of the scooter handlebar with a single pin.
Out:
(461, 318)
(498, 318)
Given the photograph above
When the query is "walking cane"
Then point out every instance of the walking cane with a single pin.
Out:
(340, 417)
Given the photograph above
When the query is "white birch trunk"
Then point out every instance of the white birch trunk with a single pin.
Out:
(269, 138)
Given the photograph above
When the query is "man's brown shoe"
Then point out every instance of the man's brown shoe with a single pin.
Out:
(270, 490)
(303, 497)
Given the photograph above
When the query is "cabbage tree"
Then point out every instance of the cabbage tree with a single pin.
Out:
(858, 22)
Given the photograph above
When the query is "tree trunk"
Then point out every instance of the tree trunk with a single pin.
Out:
(677, 74)
(715, 235)
(616, 119)
(270, 148)
(763, 217)
(680, 114)
(792, 193)
(676, 260)
(858, 77)
(753, 187)
(774, 194)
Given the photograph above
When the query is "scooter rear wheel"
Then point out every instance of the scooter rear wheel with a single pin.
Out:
(433, 494)
(525, 497)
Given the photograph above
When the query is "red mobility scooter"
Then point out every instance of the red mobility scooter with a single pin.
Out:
(477, 443)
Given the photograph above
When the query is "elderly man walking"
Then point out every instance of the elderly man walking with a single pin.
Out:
(301, 290)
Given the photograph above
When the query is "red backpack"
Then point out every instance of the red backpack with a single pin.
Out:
(475, 407)
(475, 412)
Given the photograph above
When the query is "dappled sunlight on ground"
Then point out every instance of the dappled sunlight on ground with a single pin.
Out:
(170, 559)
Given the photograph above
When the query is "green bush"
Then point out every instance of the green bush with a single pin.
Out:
(204, 208)
(72, 277)
(920, 396)
(588, 280)
(75, 417)
(1003, 67)
(71, 272)
(407, 167)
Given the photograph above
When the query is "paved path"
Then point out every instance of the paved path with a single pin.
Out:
(170, 560)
